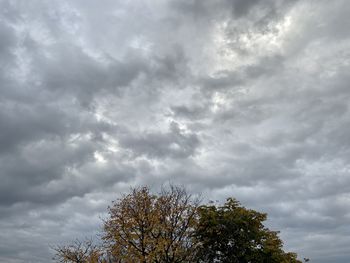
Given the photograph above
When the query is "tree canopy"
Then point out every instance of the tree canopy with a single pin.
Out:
(79, 252)
(233, 234)
(143, 227)
(172, 227)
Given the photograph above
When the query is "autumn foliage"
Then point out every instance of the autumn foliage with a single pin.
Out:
(172, 227)
(148, 228)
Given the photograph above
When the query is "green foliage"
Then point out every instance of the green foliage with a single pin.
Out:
(171, 227)
(234, 234)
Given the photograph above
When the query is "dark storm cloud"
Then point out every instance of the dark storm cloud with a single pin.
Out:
(232, 98)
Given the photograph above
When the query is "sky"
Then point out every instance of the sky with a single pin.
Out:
(230, 98)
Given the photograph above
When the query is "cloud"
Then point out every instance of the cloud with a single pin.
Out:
(175, 144)
(228, 97)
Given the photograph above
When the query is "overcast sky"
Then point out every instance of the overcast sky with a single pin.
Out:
(242, 98)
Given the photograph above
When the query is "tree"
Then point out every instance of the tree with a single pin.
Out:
(234, 234)
(143, 227)
(79, 252)
(171, 227)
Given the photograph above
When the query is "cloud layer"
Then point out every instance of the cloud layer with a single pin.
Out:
(229, 97)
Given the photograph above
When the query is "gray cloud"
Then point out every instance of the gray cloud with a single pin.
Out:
(231, 98)
(173, 144)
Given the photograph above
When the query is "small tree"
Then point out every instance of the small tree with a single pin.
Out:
(79, 252)
(233, 234)
(143, 227)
